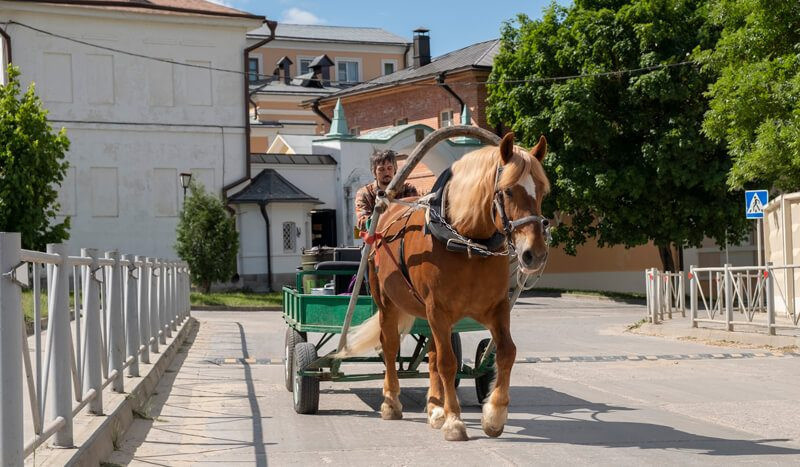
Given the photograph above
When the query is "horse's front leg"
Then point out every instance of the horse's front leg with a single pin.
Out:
(435, 404)
(391, 408)
(495, 410)
(446, 365)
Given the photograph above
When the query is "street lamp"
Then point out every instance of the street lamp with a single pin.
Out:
(186, 178)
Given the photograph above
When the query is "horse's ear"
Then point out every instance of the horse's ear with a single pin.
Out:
(507, 147)
(540, 150)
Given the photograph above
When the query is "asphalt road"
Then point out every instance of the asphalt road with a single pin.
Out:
(584, 391)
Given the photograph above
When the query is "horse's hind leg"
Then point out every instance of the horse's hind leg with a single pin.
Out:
(435, 397)
(495, 410)
(391, 408)
(453, 427)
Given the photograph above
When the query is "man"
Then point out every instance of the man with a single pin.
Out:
(383, 165)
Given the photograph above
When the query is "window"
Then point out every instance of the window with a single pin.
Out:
(401, 121)
(289, 237)
(252, 69)
(355, 131)
(446, 118)
(389, 66)
(347, 71)
(303, 64)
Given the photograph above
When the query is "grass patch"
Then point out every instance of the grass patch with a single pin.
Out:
(596, 293)
(637, 324)
(27, 305)
(237, 299)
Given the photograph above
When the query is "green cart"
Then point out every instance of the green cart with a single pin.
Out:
(326, 314)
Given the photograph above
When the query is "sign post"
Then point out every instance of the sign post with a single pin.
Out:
(754, 203)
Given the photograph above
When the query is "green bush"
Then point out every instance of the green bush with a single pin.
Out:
(207, 238)
(31, 166)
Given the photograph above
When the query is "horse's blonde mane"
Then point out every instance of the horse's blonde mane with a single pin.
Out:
(471, 189)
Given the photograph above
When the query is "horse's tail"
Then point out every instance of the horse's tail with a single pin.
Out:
(367, 336)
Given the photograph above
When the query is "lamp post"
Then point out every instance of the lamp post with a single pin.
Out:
(186, 178)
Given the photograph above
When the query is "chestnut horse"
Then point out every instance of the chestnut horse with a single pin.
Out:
(490, 189)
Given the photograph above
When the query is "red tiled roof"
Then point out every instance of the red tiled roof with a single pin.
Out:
(197, 7)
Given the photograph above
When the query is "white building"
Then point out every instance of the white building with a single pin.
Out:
(135, 122)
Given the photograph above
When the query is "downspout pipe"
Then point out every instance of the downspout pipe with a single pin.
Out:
(316, 110)
(7, 43)
(263, 207)
(405, 55)
(246, 55)
(440, 79)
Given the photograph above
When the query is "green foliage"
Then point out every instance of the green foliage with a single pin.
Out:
(31, 165)
(627, 161)
(755, 103)
(207, 238)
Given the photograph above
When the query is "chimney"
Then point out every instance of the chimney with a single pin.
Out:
(321, 66)
(422, 47)
(285, 64)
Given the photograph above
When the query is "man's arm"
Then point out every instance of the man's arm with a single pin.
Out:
(364, 206)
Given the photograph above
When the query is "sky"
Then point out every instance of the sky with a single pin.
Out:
(453, 24)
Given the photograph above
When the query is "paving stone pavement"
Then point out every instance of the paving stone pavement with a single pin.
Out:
(584, 391)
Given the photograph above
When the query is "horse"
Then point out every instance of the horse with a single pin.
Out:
(493, 189)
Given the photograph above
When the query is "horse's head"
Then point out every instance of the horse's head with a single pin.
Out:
(520, 186)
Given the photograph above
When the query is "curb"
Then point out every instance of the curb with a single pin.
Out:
(236, 308)
(103, 431)
(584, 296)
(718, 336)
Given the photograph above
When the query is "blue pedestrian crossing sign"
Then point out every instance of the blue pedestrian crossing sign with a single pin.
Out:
(754, 203)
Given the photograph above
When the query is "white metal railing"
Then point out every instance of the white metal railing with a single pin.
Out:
(123, 306)
(717, 294)
(665, 292)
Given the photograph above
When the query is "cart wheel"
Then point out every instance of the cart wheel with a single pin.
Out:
(483, 384)
(292, 339)
(455, 341)
(306, 388)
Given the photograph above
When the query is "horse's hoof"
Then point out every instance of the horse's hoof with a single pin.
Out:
(436, 417)
(389, 412)
(494, 432)
(455, 430)
(493, 420)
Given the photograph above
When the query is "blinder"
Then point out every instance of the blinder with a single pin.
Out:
(510, 226)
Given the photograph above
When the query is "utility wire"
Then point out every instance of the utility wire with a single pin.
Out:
(351, 83)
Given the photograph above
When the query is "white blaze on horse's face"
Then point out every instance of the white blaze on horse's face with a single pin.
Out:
(529, 185)
(531, 258)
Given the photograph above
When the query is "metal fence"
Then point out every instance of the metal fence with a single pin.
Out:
(665, 292)
(123, 308)
(747, 295)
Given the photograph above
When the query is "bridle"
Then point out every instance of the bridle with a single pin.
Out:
(510, 226)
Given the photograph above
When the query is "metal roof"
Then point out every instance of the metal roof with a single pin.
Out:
(307, 32)
(197, 7)
(480, 55)
(292, 159)
(270, 187)
(277, 86)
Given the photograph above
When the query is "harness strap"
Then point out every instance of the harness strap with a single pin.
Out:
(378, 241)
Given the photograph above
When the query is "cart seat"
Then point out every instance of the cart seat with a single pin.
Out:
(334, 265)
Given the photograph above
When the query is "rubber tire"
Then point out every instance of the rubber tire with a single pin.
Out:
(292, 338)
(455, 341)
(306, 388)
(483, 384)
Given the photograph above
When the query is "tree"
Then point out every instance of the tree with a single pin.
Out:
(627, 160)
(207, 238)
(31, 164)
(755, 103)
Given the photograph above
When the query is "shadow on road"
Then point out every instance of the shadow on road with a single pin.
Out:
(558, 417)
